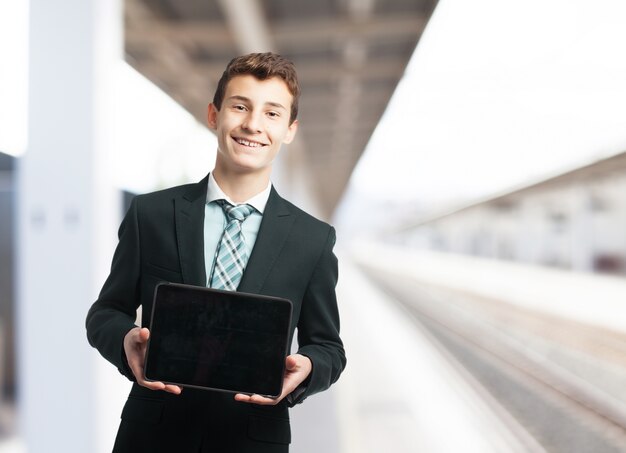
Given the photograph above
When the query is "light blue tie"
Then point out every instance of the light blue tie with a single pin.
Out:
(232, 254)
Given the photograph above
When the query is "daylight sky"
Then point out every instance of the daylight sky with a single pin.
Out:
(500, 93)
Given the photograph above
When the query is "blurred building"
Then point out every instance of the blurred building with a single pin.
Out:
(575, 220)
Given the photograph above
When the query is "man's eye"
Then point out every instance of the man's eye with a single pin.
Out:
(239, 107)
(273, 114)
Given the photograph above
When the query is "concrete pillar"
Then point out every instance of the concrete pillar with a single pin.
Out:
(68, 213)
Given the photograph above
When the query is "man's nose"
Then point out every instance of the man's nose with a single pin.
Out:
(252, 122)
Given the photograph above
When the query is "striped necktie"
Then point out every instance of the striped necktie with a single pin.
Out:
(232, 254)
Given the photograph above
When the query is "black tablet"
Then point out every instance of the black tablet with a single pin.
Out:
(218, 340)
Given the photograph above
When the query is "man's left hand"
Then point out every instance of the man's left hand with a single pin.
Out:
(298, 368)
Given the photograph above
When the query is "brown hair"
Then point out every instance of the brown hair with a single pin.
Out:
(262, 66)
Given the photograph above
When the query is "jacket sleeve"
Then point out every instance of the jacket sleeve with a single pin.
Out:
(318, 327)
(115, 311)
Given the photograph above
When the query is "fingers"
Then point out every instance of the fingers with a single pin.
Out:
(258, 399)
(151, 385)
(135, 344)
(298, 368)
(156, 385)
(144, 335)
(291, 362)
(171, 388)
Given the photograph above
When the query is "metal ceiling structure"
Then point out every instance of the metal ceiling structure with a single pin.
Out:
(350, 55)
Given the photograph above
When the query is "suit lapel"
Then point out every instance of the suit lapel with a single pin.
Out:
(273, 232)
(189, 212)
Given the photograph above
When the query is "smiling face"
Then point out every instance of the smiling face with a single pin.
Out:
(251, 125)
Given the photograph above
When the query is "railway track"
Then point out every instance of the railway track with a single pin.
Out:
(562, 382)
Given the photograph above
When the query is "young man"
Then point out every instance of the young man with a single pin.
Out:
(175, 235)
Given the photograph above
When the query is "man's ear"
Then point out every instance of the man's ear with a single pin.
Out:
(291, 132)
(212, 116)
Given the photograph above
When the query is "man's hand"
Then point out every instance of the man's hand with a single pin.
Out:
(135, 344)
(298, 368)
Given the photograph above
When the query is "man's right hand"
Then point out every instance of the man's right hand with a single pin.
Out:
(135, 345)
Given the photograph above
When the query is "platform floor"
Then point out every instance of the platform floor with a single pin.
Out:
(399, 393)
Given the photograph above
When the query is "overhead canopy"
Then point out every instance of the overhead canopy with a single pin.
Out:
(349, 54)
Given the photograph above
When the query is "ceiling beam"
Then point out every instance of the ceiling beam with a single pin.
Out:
(297, 35)
(247, 24)
(376, 96)
(313, 33)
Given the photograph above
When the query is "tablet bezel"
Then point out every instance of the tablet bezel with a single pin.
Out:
(232, 296)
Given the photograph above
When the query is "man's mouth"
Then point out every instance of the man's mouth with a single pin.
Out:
(249, 143)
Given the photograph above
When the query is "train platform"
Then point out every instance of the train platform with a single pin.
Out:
(545, 348)
(584, 297)
(401, 392)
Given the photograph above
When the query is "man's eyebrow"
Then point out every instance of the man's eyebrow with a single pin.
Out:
(238, 97)
(276, 104)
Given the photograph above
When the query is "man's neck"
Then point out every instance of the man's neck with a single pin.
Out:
(240, 186)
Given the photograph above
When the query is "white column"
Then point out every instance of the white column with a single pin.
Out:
(68, 213)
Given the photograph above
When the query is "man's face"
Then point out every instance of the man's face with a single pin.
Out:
(252, 124)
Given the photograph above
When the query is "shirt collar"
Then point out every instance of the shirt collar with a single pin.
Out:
(258, 202)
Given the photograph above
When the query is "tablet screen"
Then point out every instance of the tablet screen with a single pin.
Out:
(220, 340)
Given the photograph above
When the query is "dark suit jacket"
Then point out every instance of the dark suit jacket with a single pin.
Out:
(161, 239)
